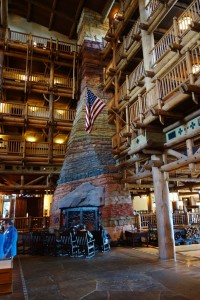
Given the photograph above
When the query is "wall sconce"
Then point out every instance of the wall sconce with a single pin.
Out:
(196, 68)
(24, 77)
(31, 139)
(33, 108)
(184, 23)
(59, 141)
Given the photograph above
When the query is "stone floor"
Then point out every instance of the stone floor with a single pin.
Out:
(122, 274)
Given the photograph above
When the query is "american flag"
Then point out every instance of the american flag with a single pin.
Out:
(94, 106)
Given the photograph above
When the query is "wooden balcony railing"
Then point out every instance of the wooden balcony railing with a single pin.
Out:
(134, 34)
(120, 53)
(163, 45)
(40, 42)
(134, 112)
(141, 221)
(176, 32)
(19, 75)
(151, 7)
(188, 218)
(31, 223)
(137, 75)
(12, 109)
(139, 109)
(30, 148)
(36, 111)
(171, 81)
(185, 71)
(191, 14)
(123, 90)
(38, 78)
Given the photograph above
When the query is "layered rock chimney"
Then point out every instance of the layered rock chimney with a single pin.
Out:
(88, 177)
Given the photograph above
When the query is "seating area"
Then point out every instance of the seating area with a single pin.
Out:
(71, 242)
(183, 235)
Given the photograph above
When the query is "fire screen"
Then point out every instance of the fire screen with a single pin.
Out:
(82, 215)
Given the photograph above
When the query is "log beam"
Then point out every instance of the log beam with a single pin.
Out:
(160, 112)
(132, 179)
(189, 88)
(152, 163)
(181, 179)
(176, 154)
(181, 162)
(195, 26)
(24, 187)
(175, 47)
(131, 161)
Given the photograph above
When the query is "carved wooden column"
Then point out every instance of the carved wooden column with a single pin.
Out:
(150, 202)
(164, 215)
(51, 113)
(147, 42)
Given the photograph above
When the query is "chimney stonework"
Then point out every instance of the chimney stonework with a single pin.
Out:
(88, 157)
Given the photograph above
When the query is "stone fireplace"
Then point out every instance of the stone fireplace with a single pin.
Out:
(83, 206)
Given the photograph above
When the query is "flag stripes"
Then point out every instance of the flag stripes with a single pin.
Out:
(94, 106)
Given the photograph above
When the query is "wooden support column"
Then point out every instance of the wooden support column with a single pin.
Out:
(189, 144)
(116, 97)
(164, 215)
(1, 68)
(147, 43)
(149, 202)
(51, 113)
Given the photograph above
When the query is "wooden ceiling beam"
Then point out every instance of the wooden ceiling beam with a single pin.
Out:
(77, 17)
(183, 179)
(176, 154)
(24, 187)
(135, 177)
(161, 112)
(181, 162)
(52, 14)
(28, 16)
(49, 9)
(36, 180)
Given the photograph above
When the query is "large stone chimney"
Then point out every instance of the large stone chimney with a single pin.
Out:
(88, 178)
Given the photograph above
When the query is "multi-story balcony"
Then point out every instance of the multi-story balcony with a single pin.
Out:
(38, 82)
(172, 87)
(25, 111)
(12, 151)
(19, 40)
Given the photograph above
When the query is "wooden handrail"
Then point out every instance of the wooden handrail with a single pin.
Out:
(31, 148)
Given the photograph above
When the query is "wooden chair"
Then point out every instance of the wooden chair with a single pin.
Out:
(37, 243)
(23, 243)
(85, 244)
(68, 244)
(102, 243)
(49, 244)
